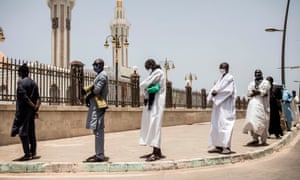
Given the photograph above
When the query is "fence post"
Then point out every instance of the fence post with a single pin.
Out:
(123, 93)
(77, 82)
(238, 102)
(203, 98)
(135, 89)
(169, 99)
(188, 90)
(245, 103)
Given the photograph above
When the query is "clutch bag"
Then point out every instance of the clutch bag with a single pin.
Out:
(101, 103)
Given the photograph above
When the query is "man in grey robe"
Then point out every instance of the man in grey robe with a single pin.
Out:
(222, 96)
(95, 117)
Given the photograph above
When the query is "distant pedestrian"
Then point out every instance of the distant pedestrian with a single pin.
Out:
(286, 102)
(295, 109)
(275, 110)
(27, 106)
(258, 111)
(297, 100)
(223, 111)
(154, 87)
(97, 92)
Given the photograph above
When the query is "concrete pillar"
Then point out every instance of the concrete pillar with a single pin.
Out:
(245, 103)
(188, 90)
(169, 99)
(135, 89)
(238, 102)
(203, 99)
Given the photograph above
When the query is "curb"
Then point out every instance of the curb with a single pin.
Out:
(59, 167)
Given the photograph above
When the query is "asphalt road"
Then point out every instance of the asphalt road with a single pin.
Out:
(283, 165)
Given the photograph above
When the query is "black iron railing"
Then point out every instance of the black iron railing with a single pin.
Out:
(62, 86)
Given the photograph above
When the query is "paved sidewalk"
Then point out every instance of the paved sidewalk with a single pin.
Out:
(184, 147)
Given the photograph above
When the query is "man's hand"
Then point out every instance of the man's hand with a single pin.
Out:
(87, 102)
(37, 105)
(255, 92)
(36, 108)
(214, 93)
(145, 102)
(83, 92)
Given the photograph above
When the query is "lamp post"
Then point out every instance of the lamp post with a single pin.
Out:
(189, 78)
(291, 67)
(2, 38)
(283, 41)
(117, 41)
(168, 65)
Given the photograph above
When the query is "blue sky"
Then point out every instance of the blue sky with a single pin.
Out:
(197, 35)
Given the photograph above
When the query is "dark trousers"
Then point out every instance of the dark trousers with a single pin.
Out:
(28, 138)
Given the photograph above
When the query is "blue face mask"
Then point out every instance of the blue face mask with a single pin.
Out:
(97, 69)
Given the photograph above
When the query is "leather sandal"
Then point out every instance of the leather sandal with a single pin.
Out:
(153, 157)
(92, 157)
(226, 151)
(23, 158)
(146, 156)
(216, 150)
(253, 143)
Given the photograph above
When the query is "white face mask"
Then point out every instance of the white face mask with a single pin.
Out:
(222, 71)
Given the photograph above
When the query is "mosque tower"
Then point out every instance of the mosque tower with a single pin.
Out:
(119, 27)
(61, 26)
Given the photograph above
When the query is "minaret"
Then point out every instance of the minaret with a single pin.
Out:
(61, 26)
(119, 27)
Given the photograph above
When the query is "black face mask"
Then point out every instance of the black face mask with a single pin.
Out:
(258, 76)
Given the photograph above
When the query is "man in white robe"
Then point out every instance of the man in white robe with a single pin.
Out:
(153, 110)
(295, 109)
(258, 110)
(222, 96)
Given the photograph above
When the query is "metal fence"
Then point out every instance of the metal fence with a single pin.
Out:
(55, 84)
(62, 86)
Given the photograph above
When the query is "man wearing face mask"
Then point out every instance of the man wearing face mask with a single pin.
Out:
(287, 99)
(258, 110)
(155, 93)
(95, 117)
(222, 95)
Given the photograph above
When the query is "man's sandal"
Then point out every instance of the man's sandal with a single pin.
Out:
(146, 156)
(153, 157)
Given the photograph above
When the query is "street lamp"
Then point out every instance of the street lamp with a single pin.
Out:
(190, 77)
(168, 65)
(291, 67)
(283, 41)
(2, 38)
(117, 41)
